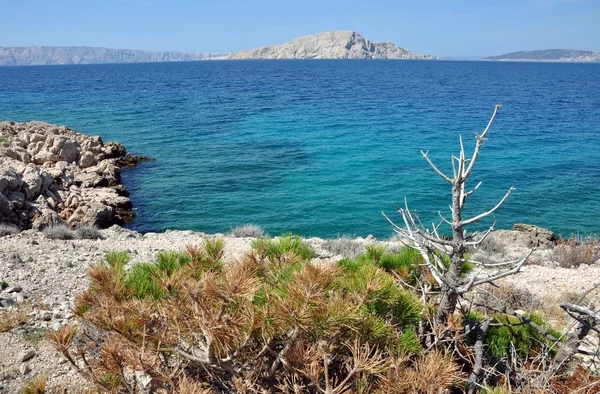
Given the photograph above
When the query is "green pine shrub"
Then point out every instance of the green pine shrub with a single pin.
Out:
(276, 321)
(180, 308)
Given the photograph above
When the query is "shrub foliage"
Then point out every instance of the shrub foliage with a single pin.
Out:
(275, 322)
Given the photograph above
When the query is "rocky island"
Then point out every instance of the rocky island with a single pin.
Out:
(52, 175)
(331, 45)
(550, 55)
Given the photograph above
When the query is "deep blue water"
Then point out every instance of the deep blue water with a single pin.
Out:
(322, 147)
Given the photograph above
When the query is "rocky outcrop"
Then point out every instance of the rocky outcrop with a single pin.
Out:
(331, 45)
(41, 55)
(526, 236)
(52, 175)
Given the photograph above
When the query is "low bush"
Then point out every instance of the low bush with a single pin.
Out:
(574, 252)
(35, 385)
(344, 247)
(60, 231)
(285, 247)
(247, 231)
(270, 321)
(275, 322)
(513, 338)
(88, 232)
(8, 229)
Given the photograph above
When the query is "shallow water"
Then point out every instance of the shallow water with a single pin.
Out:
(320, 148)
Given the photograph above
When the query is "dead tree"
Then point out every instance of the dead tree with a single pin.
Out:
(429, 242)
(587, 319)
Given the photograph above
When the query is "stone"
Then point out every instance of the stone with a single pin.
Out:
(28, 355)
(47, 218)
(45, 157)
(5, 207)
(87, 160)
(95, 214)
(14, 289)
(24, 369)
(46, 316)
(69, 151)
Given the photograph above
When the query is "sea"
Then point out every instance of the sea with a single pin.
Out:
(323, 147)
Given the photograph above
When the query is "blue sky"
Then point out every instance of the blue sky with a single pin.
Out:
(439, 27)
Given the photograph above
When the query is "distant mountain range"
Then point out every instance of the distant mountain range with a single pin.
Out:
(550, 55)
(35, 55)
(331, 45)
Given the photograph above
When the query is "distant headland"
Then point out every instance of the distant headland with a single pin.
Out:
(550, 55)
(44, 55)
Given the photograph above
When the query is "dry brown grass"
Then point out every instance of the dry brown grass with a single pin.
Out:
(431, 373)
(574, 252)
(11, 318)
(36, 385)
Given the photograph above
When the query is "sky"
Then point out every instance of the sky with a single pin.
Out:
(458, 28)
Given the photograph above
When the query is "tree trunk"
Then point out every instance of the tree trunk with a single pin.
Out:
(449, 296)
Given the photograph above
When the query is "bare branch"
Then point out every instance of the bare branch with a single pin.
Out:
(440, 173)
(485, 235)
(481, 216)
(480, 139)
(444, 219)
(567, 306)
(452, 158)
(474, 189)
(497, 276)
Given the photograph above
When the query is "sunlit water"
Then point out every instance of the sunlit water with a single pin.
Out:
(320, 148)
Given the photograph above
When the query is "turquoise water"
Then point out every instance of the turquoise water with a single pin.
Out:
(320, 148)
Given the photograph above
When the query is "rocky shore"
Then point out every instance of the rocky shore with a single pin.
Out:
(53, 175)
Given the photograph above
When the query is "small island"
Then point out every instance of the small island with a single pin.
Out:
(550, 55)
(331, 45)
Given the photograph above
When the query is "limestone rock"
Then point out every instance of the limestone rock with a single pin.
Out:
(51, 174)
(527, 236)
(69, 151)
(45, 157)
(46, 218)
(96, 214)
(28, 356)
(87, 160)
(331, 45)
